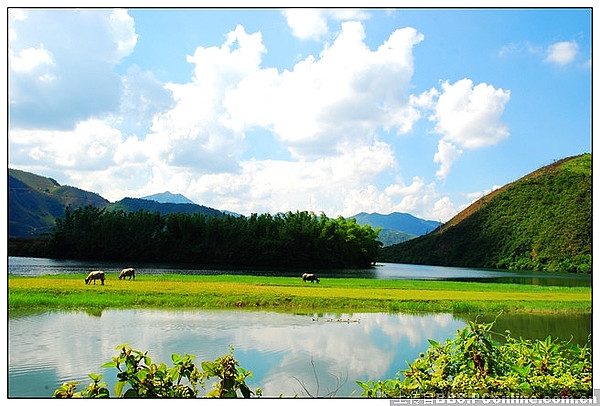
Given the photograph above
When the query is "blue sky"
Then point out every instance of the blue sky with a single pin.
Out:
(338, 111)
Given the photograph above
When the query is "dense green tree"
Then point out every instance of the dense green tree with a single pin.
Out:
(289, 240)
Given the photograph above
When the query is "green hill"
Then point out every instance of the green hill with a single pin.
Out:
(35, 201)
(542, 221)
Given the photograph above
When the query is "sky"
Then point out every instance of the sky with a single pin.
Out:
(334, 111)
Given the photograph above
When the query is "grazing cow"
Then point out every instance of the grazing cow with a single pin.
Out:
(93, 276)
(310, 277)
(127, 272)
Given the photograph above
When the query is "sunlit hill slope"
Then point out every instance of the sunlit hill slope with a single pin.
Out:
(542, 221)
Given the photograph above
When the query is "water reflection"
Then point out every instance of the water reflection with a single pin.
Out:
(283, 351)
(310, 354)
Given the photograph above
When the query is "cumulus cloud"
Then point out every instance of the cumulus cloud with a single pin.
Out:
(28, 59)
(306, 23)
(129, 134)
(192, 133)
(342, 96)
(446, 155)
(467, 116)
(562, 53)
(64, 73)
(312, 24)
(418, 198)
(87, 147)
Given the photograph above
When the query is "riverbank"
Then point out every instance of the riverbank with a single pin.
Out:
(288, 294)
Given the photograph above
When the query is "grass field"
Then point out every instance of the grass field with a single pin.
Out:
(289, 294)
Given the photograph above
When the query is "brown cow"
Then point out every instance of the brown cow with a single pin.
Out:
(93, 276)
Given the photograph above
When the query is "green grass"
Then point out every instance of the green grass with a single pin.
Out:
(175, 291)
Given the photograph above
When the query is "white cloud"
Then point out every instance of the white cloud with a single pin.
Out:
(470, 115)
(466, 116)
(122, 26)
(311, 24)
(417, 198)
(130, 135)
(63, 73)
(443, 210)
(562, 53)
(28, 59)
(520, 47)
(447, 154)
(306, 23)
(269, 185)
(143, 97)
(341, 97)
(89, 146)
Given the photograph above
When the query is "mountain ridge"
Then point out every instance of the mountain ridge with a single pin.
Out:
(168, 197)
(35, 201)
(396, 227)
(542, 222)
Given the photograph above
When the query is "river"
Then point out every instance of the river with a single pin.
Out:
(289, 354)
(42, 266)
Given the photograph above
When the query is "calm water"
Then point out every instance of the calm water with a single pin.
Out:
(50, 348)
(43, 266)
(285, 352)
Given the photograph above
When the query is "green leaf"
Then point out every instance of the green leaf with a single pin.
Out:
(523, 371)
(120, 347)
(130, 394)
(363, 385)
(245, 391)
(95, 377)
(525, 386)
(110, 364)
(209, 367)
(119, 388)
(433, 342)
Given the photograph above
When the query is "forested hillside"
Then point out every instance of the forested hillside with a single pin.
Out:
(541, 222)
(35, 201)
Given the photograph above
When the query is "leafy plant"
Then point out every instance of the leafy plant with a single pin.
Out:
(231, 378)
(145, 379)
(473, 365)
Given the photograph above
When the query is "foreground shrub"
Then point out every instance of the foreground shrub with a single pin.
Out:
(149, 380)
(473, 365)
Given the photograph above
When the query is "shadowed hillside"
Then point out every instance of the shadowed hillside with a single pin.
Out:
(542, 222)
(35, 201)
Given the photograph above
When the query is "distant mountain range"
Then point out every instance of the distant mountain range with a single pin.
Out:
(397, 227)
(168, 197)
(35, 201)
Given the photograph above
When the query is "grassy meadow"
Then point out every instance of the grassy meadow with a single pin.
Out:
(289, 294)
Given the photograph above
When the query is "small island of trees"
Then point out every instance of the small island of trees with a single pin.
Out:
(290, 240)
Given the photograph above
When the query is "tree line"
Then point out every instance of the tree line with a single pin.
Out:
(291, 240)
